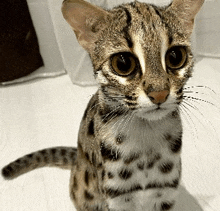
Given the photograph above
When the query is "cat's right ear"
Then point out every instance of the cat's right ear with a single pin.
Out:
(85, 19)
(187, 10)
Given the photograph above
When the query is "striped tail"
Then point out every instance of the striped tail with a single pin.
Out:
(63, 157)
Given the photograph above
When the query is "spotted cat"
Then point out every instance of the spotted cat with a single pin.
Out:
(129, 143)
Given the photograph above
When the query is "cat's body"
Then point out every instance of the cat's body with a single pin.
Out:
(128, 155)
(132, 163)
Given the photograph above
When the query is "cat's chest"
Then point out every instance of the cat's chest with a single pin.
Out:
(141, 159)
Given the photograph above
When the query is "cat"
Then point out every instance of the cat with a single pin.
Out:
(130, 137)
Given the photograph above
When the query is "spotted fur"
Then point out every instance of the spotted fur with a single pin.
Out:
(130, 138)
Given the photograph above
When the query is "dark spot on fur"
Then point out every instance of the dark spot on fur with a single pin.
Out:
(125, 174)
(99, 165)
(53, 151)
(103, 175)
(45, 155)
(46, 159)
(93, 159)
(159, 195)
(38, 159)
(72, 156)
(150, 164)
(127, 200)
(43, 152)
(180, 91)
(166, 206)
(7, 171)
(168, 137)
(91, 129)
(154, 185)
(131, 158)
(55, 158)
(118, 192)
(75, 184)
(129, 97)
(173, 184)
(175, 114)
(87, 156)
(63, 152)
(152, 161)
(30, 155)
(86, 177)
(140, 166)
(65, 161)
(18, 161)
(88, 196)
(166, 167)
(110, 175)
(109, 153)
(176, 145)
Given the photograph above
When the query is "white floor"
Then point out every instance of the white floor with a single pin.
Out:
(48, 112)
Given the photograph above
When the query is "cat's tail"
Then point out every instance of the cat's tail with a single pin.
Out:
(63, 157)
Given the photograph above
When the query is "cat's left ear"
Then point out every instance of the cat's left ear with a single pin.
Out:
(85, 19)
(187, 10)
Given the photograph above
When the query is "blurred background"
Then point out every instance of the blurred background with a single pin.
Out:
(46, 81)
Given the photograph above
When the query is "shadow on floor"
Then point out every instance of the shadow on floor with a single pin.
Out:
(187, 202)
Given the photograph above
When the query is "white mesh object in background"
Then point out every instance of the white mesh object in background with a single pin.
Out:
(208, 29)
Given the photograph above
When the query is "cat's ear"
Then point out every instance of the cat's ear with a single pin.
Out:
(187, 10)
(85, 19)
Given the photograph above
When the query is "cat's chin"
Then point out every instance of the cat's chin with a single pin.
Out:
(153, 115)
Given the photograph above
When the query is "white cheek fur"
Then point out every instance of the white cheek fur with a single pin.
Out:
(138, 50)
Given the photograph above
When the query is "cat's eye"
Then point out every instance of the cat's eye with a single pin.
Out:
(123, 63)
(176, 57)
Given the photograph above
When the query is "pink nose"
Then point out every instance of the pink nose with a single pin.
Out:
(159, 97)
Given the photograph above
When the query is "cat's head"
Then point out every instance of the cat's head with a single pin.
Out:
(140, 53)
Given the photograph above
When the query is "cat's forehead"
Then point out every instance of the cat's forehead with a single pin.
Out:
(143, 25)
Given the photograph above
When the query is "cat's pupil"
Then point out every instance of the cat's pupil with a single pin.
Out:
(176, 57)
(123, 63)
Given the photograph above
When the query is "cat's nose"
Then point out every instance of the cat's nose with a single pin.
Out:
(159, 97)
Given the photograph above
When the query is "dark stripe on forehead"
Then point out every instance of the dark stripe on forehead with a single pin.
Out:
(135, 7)
(126, 28)
(158, 12)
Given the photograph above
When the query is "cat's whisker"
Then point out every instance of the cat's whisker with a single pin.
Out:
(196, 99)
(201, 114)
(188, 118)
(195, 92)
(199, 86)
(199, 101)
